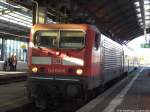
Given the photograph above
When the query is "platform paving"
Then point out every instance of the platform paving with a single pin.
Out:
(137, 98)
(12, 72)
(132, 94)
(12, 96)
(11, 76)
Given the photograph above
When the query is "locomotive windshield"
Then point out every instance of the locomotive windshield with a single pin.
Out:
(46, 39)
(71, 39)
(60, 39)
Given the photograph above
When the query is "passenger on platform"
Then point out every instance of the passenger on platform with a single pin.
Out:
(14, 62)
(10, 63)
(5, 64)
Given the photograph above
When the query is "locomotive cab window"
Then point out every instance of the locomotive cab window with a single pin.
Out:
(46, 39)
(60, 39)
(72, 39)
(97, 40)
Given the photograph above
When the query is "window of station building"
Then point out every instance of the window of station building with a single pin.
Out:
(15, 47)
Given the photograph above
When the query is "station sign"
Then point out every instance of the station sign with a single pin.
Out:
(145, 45)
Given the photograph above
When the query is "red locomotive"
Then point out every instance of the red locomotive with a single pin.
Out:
(70, 60)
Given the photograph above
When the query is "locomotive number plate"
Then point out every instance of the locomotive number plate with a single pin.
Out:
(56, 61)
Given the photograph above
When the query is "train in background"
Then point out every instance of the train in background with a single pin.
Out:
(69, 60)
(131, 59)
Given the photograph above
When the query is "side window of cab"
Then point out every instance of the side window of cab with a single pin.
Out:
(97, 41)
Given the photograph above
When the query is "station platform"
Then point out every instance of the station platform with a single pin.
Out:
(7, 76)
(12, 96)
(132, 94)
(12, 92)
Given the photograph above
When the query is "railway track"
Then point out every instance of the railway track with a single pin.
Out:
(10, 79)
(31, 108)
(68, 105)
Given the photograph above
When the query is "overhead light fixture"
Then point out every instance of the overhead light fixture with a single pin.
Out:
(147, 22)
(138, 10)
(137, 4)
(146, 1)
(7, 11)
(141, 24)
(139, 15)
(140, 20)
(146, 7)
(147, 13)
(147, 17)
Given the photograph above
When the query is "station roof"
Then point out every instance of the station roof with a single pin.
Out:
(14, 21)
(119, 19)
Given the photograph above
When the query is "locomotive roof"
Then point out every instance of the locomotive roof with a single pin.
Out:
(63, 26)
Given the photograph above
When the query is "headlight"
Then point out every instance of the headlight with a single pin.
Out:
(34, 69)
(31, 44)
(58, 53)
(79, 71)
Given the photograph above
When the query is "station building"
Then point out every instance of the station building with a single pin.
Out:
(15, 22)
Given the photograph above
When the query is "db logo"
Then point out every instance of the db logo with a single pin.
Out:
(56, 61)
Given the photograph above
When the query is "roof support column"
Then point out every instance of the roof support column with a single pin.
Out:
(145, 34)
(143, 18)
(39, 13)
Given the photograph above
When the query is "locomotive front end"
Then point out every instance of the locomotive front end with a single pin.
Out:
(56, 62)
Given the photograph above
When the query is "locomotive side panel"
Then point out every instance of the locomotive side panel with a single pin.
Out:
(112, 59)
(95, 77)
